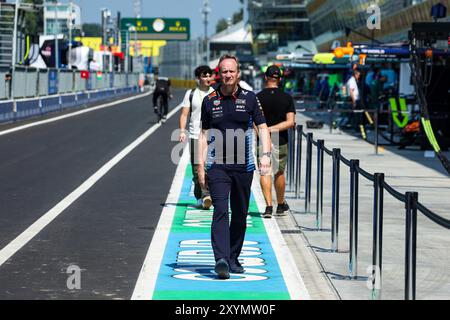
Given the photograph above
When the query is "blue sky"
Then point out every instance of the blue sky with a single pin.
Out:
(163, 8)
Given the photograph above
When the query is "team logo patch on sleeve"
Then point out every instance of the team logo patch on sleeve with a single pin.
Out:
(212, 95)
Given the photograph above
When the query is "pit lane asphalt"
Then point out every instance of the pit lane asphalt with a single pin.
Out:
(107, 231)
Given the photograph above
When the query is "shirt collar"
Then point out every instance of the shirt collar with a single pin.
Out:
(234, 96)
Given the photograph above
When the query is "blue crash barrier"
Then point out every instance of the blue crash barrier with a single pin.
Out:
(39, 106)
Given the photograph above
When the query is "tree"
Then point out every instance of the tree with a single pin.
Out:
(238, 16)
(34, 21)
(221, 25)
(92, 30)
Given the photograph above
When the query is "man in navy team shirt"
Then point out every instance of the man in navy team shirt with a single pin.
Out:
(227, 119)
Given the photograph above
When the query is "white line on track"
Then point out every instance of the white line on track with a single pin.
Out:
(292, 278)
(14, 246)
(73, 114)
(146, 282)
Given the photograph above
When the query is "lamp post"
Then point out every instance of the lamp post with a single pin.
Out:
(14, 53)
(56, 37)
(205, 11)
(69, 64)
(127, 49)
(131, 28)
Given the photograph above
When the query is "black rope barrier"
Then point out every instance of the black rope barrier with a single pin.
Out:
(433, 217)
(344, 160)
(397, 195)
(327, 151)
(410, 199)
(365, 174)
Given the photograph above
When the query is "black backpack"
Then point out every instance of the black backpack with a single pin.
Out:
(162, 85)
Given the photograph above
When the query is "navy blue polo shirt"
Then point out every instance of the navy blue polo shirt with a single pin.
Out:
(229, 120)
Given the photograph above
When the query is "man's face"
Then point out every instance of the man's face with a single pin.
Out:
(205, 79)
(228, 72)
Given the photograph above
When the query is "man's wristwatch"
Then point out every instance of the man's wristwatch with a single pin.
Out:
(268, 154)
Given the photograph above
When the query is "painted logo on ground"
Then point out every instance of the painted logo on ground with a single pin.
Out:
(195, 261)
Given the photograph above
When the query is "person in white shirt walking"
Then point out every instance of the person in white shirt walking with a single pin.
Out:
(353, 89)
(355, 96)
(192, 105)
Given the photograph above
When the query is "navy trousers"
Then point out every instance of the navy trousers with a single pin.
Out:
(229, 184)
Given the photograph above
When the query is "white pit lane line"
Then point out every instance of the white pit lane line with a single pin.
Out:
(14, 246)
(146, 282)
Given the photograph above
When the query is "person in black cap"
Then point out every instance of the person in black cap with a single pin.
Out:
(279, 111)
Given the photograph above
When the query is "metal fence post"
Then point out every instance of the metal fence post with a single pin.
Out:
(319, 193)
(292, 156)
(335, 200)
(298, 170)
(289, 159)
(410, 245)
(309, 139)
(376, 131)
(353, 265)
(377, 248)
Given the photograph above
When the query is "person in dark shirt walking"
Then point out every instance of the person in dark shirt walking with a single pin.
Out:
(279, 111)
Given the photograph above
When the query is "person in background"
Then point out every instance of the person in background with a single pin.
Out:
(376, 89)
(353, 89)
(324, 91)
(279, 111)
(215, 78)
(162, 88)
(192, 106)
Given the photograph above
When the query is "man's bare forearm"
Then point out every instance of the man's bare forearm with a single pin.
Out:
(202, 148)
(183, 118)
(264, 135)
(283, 126)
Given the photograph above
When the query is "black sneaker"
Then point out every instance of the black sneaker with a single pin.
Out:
(282, 209)
(268, 213)
(155, 109)
(236, 267)
(222, 269)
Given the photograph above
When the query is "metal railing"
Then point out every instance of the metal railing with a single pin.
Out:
(410, 199)
(32, 83)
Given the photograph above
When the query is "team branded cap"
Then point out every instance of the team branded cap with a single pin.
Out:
(273, 72)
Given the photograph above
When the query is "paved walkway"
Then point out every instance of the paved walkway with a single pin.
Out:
(405, 171)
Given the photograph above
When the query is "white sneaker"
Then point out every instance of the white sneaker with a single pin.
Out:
(164, 119)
